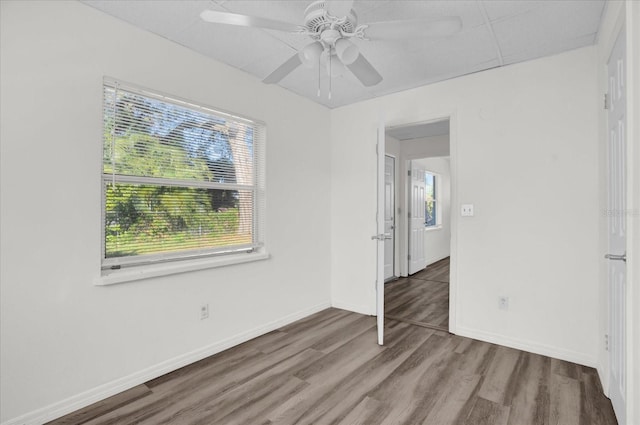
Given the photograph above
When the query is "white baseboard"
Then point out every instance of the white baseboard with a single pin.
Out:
(356, 308)
(71, 404)
(603, 374)
(437, 258)
(530, 346)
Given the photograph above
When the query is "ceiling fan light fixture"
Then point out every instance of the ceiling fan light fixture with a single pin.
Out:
(346, 51)
(310, 54)
(331, 25)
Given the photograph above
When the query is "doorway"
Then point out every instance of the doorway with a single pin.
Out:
(421, 299)
(421, 293)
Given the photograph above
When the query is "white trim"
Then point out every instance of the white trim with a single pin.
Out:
(131, 274)
(380, 231)
(453, 221)
(110, 178)
(433, 228)
(530, 346)
(435, 259)
(71, 404)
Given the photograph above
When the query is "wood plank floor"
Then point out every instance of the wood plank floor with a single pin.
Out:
(328, 369)
(422, 298)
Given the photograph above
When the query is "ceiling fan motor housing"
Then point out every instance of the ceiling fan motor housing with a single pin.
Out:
(316, 19)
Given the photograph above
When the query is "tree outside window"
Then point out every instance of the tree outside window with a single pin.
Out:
(430, 200)
(179, 179)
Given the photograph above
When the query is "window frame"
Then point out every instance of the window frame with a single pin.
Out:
(123, 269)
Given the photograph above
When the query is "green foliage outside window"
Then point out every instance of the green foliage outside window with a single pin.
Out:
(430, 200)
(156, 140)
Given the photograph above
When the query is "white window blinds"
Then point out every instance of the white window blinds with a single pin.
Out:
(179, 180)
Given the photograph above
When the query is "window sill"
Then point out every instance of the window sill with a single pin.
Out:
(112, 277)
(433, 228)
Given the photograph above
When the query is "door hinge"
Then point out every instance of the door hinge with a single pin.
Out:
(409, 214)
(606, 101)
(409, 257)
(409, 173)
(606, 342)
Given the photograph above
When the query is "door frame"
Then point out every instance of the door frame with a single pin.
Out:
(379, 236)
(394, 196)
(452, 116)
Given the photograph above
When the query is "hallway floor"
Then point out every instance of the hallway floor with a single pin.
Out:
(422, 298)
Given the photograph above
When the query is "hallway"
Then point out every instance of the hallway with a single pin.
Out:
(422, 298)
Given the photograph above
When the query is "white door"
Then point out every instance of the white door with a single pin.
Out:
(417, 259)
(389, 216)
(616, 187)
(379, 237)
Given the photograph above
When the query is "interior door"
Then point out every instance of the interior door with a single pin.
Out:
(616, 186)
(417, 218)
(389, 216)
(379, 237)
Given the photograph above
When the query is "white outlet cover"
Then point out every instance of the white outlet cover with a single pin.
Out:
(466, 210)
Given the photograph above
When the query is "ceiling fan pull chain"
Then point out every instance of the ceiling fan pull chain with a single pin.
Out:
(319, 66)
(330, 74)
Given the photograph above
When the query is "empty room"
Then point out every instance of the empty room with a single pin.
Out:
(320, 212)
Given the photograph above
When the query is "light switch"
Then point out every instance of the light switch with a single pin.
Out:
(467, 210)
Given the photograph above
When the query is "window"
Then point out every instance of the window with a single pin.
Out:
(180, 181)
(431, 209)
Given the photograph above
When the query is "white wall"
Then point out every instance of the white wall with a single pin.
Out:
(437, 241)
(524, 151)
(66, 342)
(424, 147)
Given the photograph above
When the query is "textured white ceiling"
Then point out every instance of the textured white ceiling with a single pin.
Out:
(494, 33)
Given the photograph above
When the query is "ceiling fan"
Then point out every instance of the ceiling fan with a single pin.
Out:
(330, 24)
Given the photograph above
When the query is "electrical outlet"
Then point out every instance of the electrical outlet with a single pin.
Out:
(503, 303)
(204, 311)
(466, 210)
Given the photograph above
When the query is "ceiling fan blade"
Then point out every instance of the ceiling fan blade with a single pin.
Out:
(417, 28)
(364, 71)
(283, 70)
(339, 8)
(216, 17)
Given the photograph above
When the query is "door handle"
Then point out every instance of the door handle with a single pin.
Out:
(381, 236)
(622, 257)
